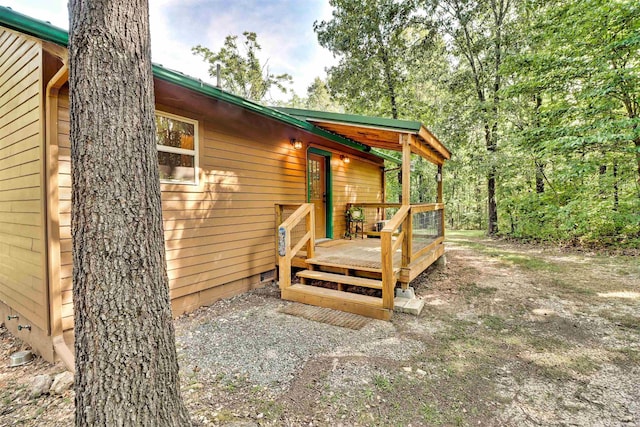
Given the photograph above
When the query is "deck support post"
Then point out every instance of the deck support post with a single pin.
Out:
(405, 141)
(388, 279)
(439, 200)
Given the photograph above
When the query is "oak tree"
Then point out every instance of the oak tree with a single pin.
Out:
(126, 364)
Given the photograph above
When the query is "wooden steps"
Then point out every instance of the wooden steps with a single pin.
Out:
(337, 300)
(340, 278)
(322, 263)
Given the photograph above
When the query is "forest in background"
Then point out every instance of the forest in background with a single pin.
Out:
(538, 100)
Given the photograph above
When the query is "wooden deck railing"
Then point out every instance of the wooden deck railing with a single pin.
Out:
(413, 229)
(397, 226)
(287, 249)
(417, 229)
(427, 228)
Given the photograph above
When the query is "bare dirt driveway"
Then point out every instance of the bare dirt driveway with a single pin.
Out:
(510, 335)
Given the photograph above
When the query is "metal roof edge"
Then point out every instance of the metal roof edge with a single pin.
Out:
(396, 124)
(34, 27)
(386, 156)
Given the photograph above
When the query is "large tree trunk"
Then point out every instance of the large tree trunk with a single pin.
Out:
(126, 365)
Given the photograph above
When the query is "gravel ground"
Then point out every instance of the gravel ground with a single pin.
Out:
(511, 335)
(267, 347)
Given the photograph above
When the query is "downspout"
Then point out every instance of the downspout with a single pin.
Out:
(53, 221)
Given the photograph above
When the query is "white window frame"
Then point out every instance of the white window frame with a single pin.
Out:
(175, 150)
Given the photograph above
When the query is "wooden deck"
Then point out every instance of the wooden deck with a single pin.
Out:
(409, 243)
(365, 255)
(361, 254)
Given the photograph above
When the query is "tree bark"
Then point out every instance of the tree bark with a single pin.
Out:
(126, 364)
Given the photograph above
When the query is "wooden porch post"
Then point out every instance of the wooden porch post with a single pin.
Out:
(440, 184)
(440, 199)
(405, 140)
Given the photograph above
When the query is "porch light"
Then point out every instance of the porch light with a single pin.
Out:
(438, 177)
(296, 143)
(345, 159)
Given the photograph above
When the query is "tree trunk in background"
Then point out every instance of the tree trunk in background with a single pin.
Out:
(492, 208)
(539, 165)
(539, 177)
(637, 144)
(126, 364)
(616, 196)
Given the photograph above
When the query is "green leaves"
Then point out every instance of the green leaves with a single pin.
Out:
(241, 72)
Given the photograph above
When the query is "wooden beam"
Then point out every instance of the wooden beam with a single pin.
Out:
(405, 141)
(434, 143)
(422, 150)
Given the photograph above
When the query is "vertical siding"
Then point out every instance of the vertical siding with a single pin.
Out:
(22, 281)
(219, 235)
(357, 181)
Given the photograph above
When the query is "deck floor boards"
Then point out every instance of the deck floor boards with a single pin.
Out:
(356, 253)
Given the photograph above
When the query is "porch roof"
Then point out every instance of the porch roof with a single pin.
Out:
(376, 132)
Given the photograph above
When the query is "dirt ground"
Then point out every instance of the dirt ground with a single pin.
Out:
(511, 335)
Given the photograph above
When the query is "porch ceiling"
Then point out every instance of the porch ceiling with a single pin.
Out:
(377, 132)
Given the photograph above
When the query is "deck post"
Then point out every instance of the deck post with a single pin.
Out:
(439, 200)
(405, 141)
(284, 258)
(311, 227)
(407, 243)
(279, 211)
(388, 282)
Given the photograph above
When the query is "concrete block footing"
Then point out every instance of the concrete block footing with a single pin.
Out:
(406, 301)
(408, 293)
(406, 305)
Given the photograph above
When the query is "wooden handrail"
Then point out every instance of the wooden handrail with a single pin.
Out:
(284, 245)
(427, 207)
(375, 205)
(297, 216)
(397, 220)
(398, 242)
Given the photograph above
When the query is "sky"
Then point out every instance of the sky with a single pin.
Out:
(284, 28)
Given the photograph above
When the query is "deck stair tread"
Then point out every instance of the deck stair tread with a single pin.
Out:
(350, 266)
(339, 295)
(364, 305)
(341, 278)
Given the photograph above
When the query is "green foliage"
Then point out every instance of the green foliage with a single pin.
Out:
(241, 72)
(574, 105)
(542, 97)
(370, 38)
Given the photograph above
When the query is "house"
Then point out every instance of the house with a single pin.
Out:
(247, 191)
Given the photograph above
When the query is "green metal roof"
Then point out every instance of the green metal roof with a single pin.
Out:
(46, 31)
(393, 124)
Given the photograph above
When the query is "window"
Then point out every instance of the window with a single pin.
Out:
(176, 139)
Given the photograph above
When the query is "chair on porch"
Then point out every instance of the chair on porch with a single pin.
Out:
(355, 221)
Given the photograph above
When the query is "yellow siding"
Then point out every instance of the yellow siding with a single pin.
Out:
(219, 235)
(354, 182)
(22, 281)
